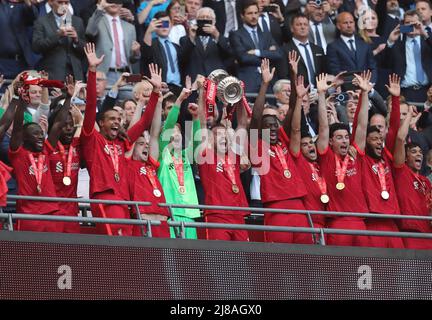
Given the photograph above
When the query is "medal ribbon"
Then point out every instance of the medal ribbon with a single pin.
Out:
(281, 156)
(178, 165)
(151, 177)
(381, 176)
(341, 171)
(229, 169)
(114, 158)
(38, 170)
(322, 185)
(66, 163)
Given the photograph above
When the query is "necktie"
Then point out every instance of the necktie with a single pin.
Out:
(317, 35)
(169, 55)
(264, 25)
(309, 63)
(204, 41)
(255, 39)
(230, 18)
(428, 29)
(418, 64)
(351, 44)
(116, 44)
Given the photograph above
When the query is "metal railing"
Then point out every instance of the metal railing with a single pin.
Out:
(181, 225)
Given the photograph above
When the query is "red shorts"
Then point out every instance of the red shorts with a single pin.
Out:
(417, 243)
(41, 226)
(226, 234)
(114, 211)
(161, 231)
(287, 220)
(345, 239)
(384, 225)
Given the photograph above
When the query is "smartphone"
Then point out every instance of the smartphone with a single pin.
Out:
(165, 24)
(200, 24)
(406, 28)
(269, 9)
(348, 78)
(133, 78)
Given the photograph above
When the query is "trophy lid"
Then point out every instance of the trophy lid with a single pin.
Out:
(218, 75)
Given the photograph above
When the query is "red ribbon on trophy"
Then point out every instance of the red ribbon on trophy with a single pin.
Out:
(210, 97)
(245, 103)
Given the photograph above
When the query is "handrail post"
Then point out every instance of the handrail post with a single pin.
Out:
(182, 230)
(138, 213)
(311, 225)
(149, 231)
(176, 232)
(322, 238)
(10, 224)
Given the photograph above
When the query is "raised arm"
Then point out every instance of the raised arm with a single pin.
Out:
(59, 123)
(18, 127)
(323, 130)
(90, 110)
(8, 117)
(155, 130)
(293, 59)
(394, 90)
(258, 108)
(146, 119)
(399, 149)
(363, 82)
(295, 135)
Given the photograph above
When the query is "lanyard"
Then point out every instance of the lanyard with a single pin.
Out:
(38, 170)
(67, 163)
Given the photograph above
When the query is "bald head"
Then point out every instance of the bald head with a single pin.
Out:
(345, 23)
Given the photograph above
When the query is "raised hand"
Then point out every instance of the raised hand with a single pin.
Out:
(266, 74)
(293, 59)
(394, 85)
(300, 88)
(394, 35)
(185, 93)
(70, 85)
(322, 85)
(363, 81)
(155, 77)
(193, 110)
(92, 59)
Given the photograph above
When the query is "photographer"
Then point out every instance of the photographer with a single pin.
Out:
(271, 20)
(205, 47)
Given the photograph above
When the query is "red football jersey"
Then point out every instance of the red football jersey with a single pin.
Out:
(58, 168)
(413, 193)
(312, 199)
(275, 186)
(217, 185)
(351, 198)
(372, 187)
(98, 153)
(27, 184)
(141, 189)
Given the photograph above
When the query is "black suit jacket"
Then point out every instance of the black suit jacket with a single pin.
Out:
(319, 60)
(395, 57)
(340, 58)
(386, 24)
(156, 54)
(56, 51)
(277, 31)
(241, 42)
(203, 61)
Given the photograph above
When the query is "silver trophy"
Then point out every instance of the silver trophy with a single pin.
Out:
(229, 90)
(218, 75)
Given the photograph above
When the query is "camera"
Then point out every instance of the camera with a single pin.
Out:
(165, 24)
(201, 24)
(342, 98)
(269, 9)
(318, 2)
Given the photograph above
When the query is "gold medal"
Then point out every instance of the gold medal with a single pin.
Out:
(385, 195)
(324, 198)
(182, 190)
(116, 177)
(38, 188)
(157, 193)
(67, 181)
(340, 186)
(287, 174)
(235, 188)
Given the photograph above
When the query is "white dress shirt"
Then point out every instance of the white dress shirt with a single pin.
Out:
(120, 33)
(321, 33)
(301, 48)
(346, 40)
